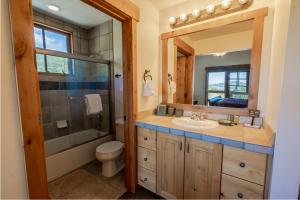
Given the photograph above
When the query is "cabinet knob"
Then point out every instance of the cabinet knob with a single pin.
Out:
(242, 165)
(145, 138)
(240, 195)
(145, 159)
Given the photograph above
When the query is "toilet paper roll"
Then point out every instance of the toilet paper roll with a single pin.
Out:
(62, 124)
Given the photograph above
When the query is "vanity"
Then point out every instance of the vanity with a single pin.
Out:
(223, 162)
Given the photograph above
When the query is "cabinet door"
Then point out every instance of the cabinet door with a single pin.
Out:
(202, 169)
(170, 165)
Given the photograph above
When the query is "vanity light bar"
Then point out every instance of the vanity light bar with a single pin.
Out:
(211, 11)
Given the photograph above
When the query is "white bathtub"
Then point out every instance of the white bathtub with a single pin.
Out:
(62, 156)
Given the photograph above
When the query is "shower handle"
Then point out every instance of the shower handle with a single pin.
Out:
(118, 75)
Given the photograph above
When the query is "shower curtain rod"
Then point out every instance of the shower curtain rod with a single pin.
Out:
(71, 56)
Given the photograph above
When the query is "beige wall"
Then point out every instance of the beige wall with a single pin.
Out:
(13, 179)
(147, 52)
(268, 30)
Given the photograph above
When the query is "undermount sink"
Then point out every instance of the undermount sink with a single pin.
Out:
(187, 122)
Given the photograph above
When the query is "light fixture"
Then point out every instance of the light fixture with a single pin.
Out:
(53, 8)
(243, 2)
(220, 54)
(210, 9)
(183, 17)
(196, 13)
(172, 20)
(226, 4)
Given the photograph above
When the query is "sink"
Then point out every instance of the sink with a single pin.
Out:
(187, 122)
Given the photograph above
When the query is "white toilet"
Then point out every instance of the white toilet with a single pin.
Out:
(111, 154)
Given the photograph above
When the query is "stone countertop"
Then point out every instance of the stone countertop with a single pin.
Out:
(258, 140)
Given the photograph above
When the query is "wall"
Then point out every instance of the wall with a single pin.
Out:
(147, 56)
(201, 62)
(13, 178)
(268, 30)
(286, 175)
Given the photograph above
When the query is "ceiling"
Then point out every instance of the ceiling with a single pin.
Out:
(74, 11)
(162, 4)
(224, 30)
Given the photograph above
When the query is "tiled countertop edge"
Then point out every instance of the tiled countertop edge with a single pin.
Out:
(213, 139)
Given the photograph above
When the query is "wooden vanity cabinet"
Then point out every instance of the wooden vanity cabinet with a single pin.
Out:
(202, 175)
(170, 165)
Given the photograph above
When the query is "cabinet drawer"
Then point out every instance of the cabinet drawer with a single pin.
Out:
(235, 188)
(146, 138)
(244, 164)
(147, 178)
(147, 158)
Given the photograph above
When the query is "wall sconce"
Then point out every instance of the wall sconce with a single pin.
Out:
(243, 2)
(210, 9)
(183, 17)
(226, 4)
(196, 13)
(172, 20)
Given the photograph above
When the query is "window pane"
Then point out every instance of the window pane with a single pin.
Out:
(38, 37)
(238, 89)
(243, 75)
(239, 96)
(40, 63)
(57, 65)
(216, 81)
(56, 41)
(233, 75)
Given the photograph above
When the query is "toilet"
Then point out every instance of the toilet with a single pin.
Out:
(111, 154)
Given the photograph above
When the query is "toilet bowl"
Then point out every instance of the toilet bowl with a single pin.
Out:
(110, 154)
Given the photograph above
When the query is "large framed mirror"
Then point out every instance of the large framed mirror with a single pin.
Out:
(214, 65)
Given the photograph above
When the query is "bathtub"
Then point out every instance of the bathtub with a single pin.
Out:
(67, 153)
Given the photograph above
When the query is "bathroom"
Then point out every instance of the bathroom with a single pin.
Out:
(188, 99)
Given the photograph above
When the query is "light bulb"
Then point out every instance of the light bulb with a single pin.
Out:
(183, 17)
(196, 13)
(242, 2)
(172, 20)
(226, 4)
(210, 9)
(53, 8)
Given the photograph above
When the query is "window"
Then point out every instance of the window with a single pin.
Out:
(228, 82)
(51, 39)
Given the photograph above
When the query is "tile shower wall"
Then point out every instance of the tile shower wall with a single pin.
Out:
(62, 96)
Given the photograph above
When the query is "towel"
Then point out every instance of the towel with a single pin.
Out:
(172, 87)
(93, 104)
(148, 89)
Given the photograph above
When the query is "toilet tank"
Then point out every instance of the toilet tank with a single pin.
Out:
(120, 129)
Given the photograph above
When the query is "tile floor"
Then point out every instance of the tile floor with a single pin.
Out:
(87, 183)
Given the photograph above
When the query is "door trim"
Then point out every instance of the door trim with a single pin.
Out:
(29, 91)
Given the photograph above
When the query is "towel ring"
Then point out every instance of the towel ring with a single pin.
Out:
(147, 74)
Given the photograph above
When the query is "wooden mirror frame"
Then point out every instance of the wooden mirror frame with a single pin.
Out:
(29, 91)
(258, 17)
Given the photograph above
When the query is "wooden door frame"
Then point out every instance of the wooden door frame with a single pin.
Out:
(258, 17)
(29, 90)
(189, 52)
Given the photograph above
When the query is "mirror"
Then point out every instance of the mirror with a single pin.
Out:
(211, 67)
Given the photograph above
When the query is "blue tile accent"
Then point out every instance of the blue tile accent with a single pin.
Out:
(197, 136)
(162, 129)
(232, 143)
(259, 148)
(211, 139)
(151, 127)
(140, 124)
(176, 132)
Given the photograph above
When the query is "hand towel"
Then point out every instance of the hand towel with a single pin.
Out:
(93, 104)
(148, 89)
(172, 87)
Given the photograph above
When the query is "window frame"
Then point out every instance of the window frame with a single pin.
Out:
(227, 70)
(69, 36)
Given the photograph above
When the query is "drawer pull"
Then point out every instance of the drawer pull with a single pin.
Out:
(242, 165)
(180, 147)
(145, 138)
(240, 195)
(144, 180)
(145, 159)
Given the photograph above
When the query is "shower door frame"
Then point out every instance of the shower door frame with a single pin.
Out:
(29, 90)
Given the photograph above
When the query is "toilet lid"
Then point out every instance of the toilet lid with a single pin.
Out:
(109, 147)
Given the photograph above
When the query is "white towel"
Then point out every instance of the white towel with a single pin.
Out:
(172, 87)
(93, 104)
(148, 89)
